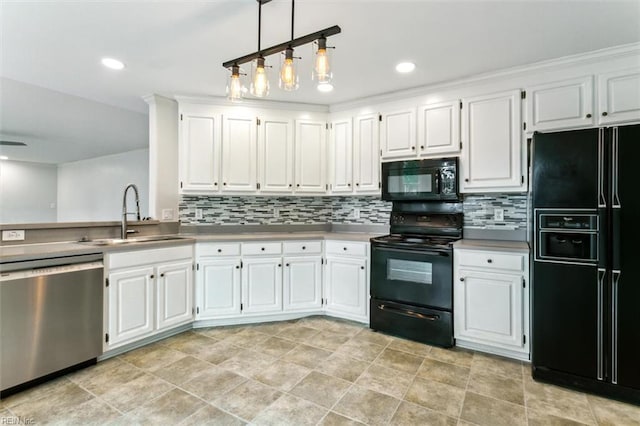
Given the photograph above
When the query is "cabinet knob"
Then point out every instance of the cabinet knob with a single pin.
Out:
(357, 184)
(297, 184)
(290, 185)
(461, 278)
(279, 265)
(152, 276)
(219, 250)
(413, 148)
(421, 146)
(215, 183)
(588, 115)
(224, 183)
(489, 261)
(262, 248)
(304, 247)
(348, 184)
(344, 248)
(161, 275)
(287, 264)
(362, 267)
(604, 114)
(237, 266)
(466, 180)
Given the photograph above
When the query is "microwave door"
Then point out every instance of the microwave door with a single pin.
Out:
(413, 184)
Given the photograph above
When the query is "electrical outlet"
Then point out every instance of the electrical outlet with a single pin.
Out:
(198, 213)
(356, 213)
(167, 214)
(276, 212)
(498, 215)
(13, 235)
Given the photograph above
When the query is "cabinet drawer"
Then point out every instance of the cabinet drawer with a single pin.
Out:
(346, 248)
(491, 260)
(219, 249)
(127, 259)
(302, 247)
(261, 248)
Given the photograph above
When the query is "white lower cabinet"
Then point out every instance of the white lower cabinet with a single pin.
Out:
(346, 283)
(302, 287)
(147, 292)
(491, 298)
(262, 285)
(218, 287)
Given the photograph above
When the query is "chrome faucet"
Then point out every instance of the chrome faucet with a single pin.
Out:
(124, 229)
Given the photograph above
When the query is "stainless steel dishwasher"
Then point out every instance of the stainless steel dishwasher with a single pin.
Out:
(50, 317)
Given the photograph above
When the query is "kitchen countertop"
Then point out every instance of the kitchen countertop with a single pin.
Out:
(513, 246)
(22, 252)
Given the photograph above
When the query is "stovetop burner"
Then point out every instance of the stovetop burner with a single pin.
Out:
(420, 241)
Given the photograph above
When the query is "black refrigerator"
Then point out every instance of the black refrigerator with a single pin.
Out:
(586, 238)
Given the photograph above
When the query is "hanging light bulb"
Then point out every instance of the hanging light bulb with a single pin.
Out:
(259, 79)
(322, 69)
(235, 88)
(288, 74)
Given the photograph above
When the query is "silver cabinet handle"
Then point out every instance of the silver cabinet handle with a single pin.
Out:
(615, 277)
(601, 275)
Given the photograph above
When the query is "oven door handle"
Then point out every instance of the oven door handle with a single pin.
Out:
(421, 251)
(407, 313)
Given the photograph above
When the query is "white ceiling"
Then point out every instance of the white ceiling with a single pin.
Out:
(177, 47)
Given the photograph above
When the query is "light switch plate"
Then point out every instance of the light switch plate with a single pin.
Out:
(167, 214)
(13, 235)
(198, 213)
(498, 215)
(356, 213)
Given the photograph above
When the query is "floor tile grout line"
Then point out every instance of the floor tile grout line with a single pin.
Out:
(97, 397)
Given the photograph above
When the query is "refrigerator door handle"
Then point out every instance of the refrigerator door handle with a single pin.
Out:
(615, 199)
(615, 277)
(602, 200)
(601, 276)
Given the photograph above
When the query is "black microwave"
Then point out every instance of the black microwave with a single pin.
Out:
(421, 180)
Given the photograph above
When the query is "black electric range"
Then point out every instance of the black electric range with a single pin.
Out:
(412, 272)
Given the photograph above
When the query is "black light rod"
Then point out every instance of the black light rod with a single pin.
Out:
(327, 32)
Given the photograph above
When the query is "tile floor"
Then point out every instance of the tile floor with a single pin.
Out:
(313, 371)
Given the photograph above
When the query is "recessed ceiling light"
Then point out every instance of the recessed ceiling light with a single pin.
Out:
(405, 67)
(325, 87)
(114, 64)
(3, 157)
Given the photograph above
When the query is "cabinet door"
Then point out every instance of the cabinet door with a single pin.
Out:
(262, 285)
(491, 157)
(199, 151)
(488, 308)
(311, 155)
(341, 149)
(302, 287)
(366, 162)
(239, 140)
(275, 155)
(346, 286)
(398, 133)
(130, 305)
(560, 105)
(439, 128)
(218, 287)
(174, 290)
(619, 96)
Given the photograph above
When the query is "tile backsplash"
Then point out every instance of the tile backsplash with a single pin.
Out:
(251, 210)
(284, 210)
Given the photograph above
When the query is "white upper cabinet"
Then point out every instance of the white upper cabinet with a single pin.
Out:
(341, 156)
(619, 96)
(439, 129)
(366, 164)
(491, 154)
(199, 149)
(398, 133)
(311, 156)
(560, 105)
(275, 155)
(239, 140)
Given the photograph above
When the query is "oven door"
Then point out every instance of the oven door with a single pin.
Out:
(417, 277)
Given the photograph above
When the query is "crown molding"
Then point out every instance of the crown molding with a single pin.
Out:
(253, 103)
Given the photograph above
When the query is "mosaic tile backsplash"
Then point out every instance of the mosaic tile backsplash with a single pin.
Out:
(284, 210)
(478, 210)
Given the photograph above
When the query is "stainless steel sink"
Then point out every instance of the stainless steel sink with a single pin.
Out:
(120, 241)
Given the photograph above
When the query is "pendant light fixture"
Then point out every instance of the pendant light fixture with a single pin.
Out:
(289, 79)
(235, 88)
